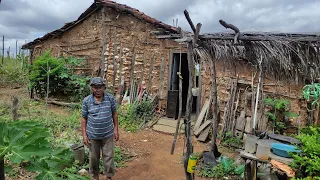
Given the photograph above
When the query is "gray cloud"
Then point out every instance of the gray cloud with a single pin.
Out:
(27, 19)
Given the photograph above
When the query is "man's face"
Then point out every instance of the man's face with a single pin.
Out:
(98, 90)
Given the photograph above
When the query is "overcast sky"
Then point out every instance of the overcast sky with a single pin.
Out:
(25, 20)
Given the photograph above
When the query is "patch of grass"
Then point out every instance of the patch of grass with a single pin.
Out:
(13, 72)
(230, 140)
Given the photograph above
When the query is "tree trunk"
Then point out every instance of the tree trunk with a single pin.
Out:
(187, 120)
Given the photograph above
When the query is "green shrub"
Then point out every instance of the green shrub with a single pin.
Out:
(308, 160)
(62, 77)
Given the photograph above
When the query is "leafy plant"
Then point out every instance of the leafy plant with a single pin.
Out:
(131, 116)
(226, 167)
(308, 160)
(62, 77)
(311, 92)
(279, 109)
(231, 140)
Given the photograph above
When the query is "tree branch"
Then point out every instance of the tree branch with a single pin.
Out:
(233, 27)
(186, 14)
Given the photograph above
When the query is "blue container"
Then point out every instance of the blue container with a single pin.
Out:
(283, 150)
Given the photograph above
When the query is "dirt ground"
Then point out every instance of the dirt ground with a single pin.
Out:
(153, 160)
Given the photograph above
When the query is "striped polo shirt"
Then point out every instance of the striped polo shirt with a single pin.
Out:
(99, 116)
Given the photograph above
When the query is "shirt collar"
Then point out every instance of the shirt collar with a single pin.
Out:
(94, 101)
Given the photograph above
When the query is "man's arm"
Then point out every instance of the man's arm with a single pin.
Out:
(83, 122)
(116, 125)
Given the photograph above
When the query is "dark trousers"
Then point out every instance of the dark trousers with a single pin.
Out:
(106, 146)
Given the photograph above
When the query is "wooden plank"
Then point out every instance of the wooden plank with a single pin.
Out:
(241, 121)
(201, 115)
(150, 74)
(202, 127)
(204, 134)
(246, 155)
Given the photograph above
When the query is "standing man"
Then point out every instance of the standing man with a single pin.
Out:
(99, 125)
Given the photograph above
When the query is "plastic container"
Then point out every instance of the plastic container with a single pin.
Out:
(78, 153)
(251, 143)
(263, 149)
(192, 162)
(283, 150)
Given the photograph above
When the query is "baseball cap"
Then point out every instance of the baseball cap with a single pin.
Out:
(97, 81)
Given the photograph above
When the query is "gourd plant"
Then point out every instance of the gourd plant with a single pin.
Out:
(26, 141)
(278, 113)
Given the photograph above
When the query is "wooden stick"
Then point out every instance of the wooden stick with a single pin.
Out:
(132, 74)
(104, 44)
(2, 50)
(2, 171)
(233, 27)
(234, 114)
(114, 60)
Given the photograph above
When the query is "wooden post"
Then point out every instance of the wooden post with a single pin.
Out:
(214, 96)
(2, 50)
(150, 74)
(104, 44)
(31, 63)
(114, 59)
(16, 49)
(15, 106)
(187, 120)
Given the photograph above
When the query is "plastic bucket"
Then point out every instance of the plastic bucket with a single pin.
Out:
(78, 153)
(251, 143)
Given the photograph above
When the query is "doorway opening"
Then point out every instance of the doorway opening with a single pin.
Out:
(173, 86)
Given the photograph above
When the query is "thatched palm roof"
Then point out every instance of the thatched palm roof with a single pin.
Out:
(293, 57)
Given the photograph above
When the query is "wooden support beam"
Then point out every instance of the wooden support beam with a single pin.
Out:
(104, 44)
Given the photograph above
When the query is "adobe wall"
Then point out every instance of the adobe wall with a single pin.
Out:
(244, 72)
(132, 34)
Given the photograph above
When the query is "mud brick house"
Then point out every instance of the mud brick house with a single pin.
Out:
(119, 39)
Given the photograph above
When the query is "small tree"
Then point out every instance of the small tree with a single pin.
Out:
(279, 111)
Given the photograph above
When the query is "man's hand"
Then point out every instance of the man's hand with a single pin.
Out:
(116, 135)
(85, 140)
